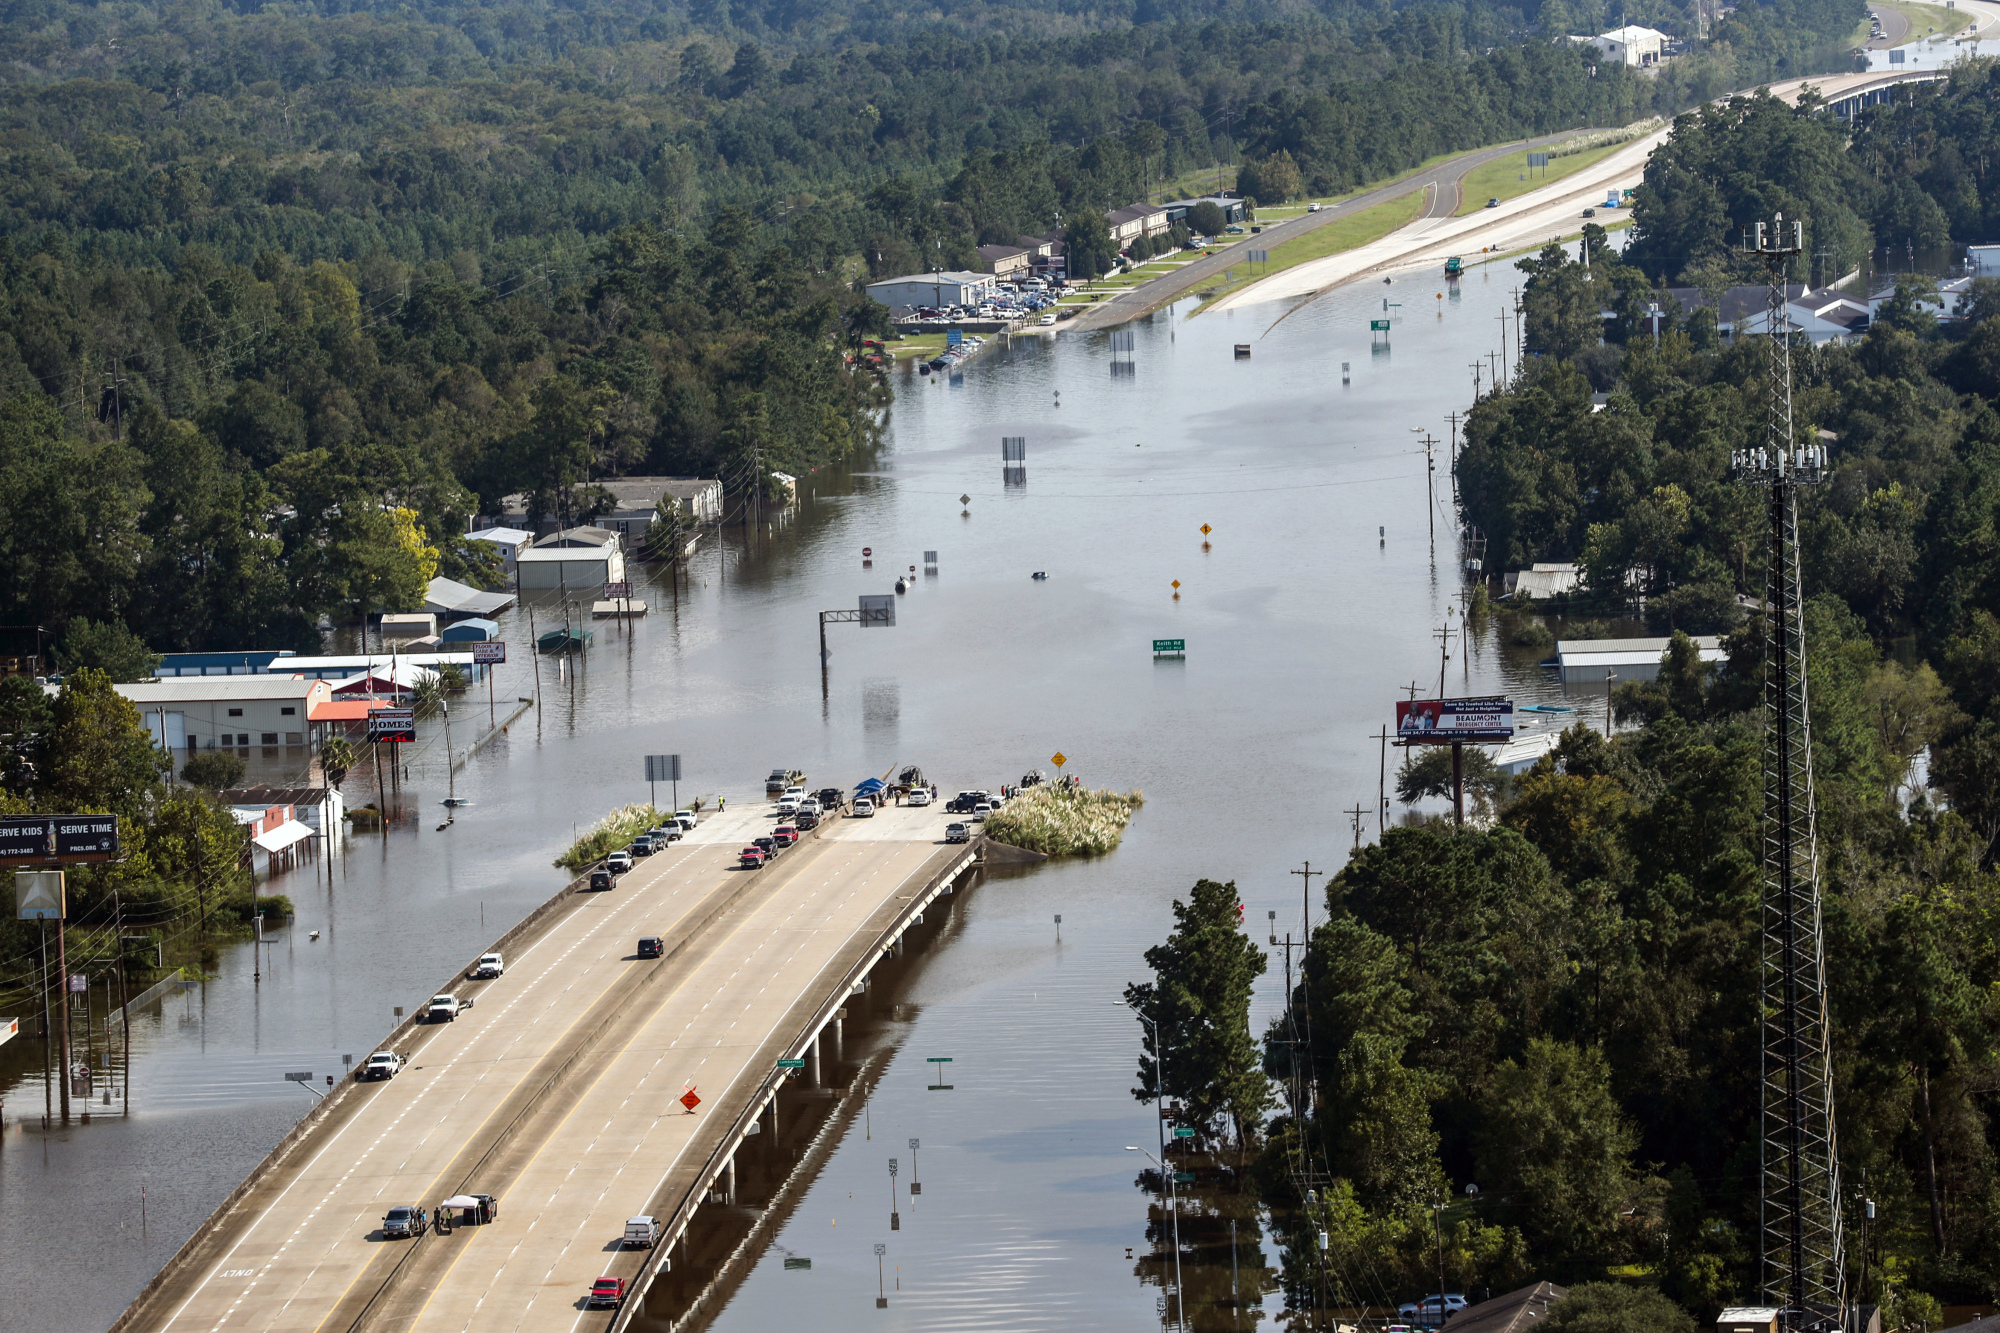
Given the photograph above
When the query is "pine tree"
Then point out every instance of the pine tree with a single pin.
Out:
(1200, 1005)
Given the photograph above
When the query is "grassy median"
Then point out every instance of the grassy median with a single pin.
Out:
(1348, 233)
(1502, 177)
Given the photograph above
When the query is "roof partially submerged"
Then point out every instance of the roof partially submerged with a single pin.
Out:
(1511, 1313)
(211, 689)
(1628, 652)
(448, 597)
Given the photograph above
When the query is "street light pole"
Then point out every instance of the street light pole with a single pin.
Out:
(1173, 1206)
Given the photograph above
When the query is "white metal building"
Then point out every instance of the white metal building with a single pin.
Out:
(1632, 45)
(578, 559)
(228, 712)
(1584, 661)
(932, 289)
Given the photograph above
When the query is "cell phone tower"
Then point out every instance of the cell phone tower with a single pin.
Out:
(1803, 1263)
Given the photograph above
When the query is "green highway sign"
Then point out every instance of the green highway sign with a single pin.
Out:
(1378, 326)
(1183, 1132)
(791, 1064)
(1184, 1177)
(938, 1059)
(1170, 645)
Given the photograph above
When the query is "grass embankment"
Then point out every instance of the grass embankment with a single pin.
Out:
(1925, 20)
(1501, 178)
(1348, 233)
(1064, 822)
(610, 833)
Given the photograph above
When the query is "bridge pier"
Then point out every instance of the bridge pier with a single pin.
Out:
(772, 1107)
(812, 1062)
(729, 1181)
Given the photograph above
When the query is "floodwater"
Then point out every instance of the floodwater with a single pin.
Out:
(1311, 608)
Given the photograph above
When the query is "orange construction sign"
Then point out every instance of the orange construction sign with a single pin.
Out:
(689, 1100)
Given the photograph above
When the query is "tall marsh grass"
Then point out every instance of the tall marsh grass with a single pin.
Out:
(1061, 822)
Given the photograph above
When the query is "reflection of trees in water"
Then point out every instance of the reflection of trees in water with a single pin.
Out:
(1221, 1296)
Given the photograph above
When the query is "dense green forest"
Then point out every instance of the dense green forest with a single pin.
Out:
(1559, 1004)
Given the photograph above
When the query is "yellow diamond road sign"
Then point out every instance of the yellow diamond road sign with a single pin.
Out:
(1177, 583)
(1059, 759)
(1205, 529)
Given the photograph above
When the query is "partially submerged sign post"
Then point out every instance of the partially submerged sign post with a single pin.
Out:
(664, 768)
(1486, 720)
(1170, 648)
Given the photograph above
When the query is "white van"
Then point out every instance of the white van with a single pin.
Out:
(642, 1232)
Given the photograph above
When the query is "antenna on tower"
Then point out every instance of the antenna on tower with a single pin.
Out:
(1803, 1262)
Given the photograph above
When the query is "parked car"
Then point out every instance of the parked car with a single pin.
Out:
(1048, 319)
(788, 806)
(663, 834)
(958, 833)
(600, 880)
(618, 862)
(607, 1291)
(686, 819)
(919, 796)
(642, 1231)
(785, 835)
(864, 808)
(404, 1222)
(768, 843)
(983, 809)
(490, 965)
(382, 1064)
(642, 845)
(806, 820)
(446, 1008)
(1430, 1306)
(1590, 212)
(751, 857)
(1312, 208)
(782, 778)
(652, 946)
(831, 799)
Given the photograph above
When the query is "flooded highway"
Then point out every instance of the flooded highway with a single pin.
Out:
(1311, 608)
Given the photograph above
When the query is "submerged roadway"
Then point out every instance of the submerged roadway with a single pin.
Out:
(559, 1093)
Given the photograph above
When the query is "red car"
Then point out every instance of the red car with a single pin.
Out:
(752, 857)
(607, 1291)
(784, 835)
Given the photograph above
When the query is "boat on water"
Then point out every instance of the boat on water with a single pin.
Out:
(563, 640)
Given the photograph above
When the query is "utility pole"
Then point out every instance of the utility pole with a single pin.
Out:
(1382, 780)
(1430, 484)
(1503, 345)
(1443, 636)
(1804, 1265)
(124, 999)
(1453, 418)
(1305, 891)
(1356, 814)
(1476, 368)
(48, 1102)
(62, 980)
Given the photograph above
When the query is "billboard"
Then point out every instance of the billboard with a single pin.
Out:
(57, 839)
(878, 609)
(490, 653)
(1424, 721)
(392, 724)
(663, 768)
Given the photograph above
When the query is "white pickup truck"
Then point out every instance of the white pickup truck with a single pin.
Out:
(382, 1064)
(446, 1008)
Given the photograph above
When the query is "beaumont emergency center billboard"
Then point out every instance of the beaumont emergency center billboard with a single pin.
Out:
(1425, 720)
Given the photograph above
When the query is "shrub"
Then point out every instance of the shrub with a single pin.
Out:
(217, 770)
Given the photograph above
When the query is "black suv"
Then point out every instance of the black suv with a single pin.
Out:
(600, 880)
(652, 946)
